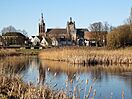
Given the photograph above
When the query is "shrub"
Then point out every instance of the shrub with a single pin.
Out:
(119, 37)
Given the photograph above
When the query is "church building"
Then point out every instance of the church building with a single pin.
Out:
(42, 27)
(64, 36)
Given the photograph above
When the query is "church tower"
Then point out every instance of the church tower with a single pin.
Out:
(42, 27)
(71, 29)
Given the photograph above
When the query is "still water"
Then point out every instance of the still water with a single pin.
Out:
(62, 76)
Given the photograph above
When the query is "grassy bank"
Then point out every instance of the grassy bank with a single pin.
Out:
(17, 52)
(88, 56)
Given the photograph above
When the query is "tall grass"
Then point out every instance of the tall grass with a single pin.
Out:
(12, 87)
(8, 52)
(17, 52)
(13, 64)
(88, 56)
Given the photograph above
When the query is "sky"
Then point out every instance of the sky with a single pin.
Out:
(25, 14)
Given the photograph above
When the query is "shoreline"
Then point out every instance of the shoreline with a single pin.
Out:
(88, 56)
(18, 52)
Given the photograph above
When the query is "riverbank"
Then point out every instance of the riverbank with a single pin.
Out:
(88, 55)
(12, 87)
(56, 66)
(17, 52)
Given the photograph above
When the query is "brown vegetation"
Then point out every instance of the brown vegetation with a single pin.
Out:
(13, 64)
(12, 87)
(120, 37)
(88, 56)
(17, 52)
(8, 52)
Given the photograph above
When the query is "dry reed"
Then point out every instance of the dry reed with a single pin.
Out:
(87, 56)
(12, 87)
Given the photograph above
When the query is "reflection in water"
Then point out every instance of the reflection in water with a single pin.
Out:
(105, 84)
(41, 74)
(56, 74)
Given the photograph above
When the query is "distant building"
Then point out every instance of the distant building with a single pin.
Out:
(62, 36)
(71, 30)
(34, 40)
(95, 39)
(42, 27)
(14, 38)
(58, 35)
(1, 41)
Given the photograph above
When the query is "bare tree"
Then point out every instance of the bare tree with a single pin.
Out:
(8, 29)
(128, 21)
(96, 27)
(12, 29)
(100, 29)
(24, 32)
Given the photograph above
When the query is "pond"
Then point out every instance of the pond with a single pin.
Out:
(76, 79)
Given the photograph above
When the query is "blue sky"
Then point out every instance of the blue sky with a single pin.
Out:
(25, 14)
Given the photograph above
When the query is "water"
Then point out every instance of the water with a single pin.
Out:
(58, 78)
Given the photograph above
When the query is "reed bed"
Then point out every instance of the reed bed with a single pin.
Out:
(12, 87)
(8, 52)
(13, 64)
(88, 56)
(18, 52)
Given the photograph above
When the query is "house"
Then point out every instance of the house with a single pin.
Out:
(37, 41)
(95, 39)
(59, 36)
(54, 42)
(14, 39)
(1, 41)
(34, 40)
(43, 42)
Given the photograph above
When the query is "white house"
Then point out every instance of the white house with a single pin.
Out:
(44, 42)
(34, 40)
(54, 42)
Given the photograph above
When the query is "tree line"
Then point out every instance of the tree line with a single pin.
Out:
(12, 29)
(117, 37)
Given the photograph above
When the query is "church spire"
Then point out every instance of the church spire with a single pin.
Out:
(42, 20)
(42, 15)
(42, 26)
(70, 19)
